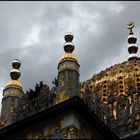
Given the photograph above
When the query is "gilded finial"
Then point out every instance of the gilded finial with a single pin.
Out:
(130, 25)
(132, 48)
(68, 46)
(15, 72)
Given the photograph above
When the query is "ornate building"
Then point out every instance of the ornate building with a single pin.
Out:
(116, 90)
(105, 106)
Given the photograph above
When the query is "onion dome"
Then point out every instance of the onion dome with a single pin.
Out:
(115, 79)
(132, 47)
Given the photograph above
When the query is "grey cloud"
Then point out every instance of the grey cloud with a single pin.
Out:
(100, 36)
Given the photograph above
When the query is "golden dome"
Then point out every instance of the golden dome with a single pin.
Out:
(14, 83)
(68, 55)
(116, 79)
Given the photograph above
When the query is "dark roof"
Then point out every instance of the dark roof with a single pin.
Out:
(74, 103)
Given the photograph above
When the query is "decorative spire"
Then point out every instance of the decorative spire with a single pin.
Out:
(132, 47)
(68, 72)
(15, 72)
(12, 94)
(130, 26)
(68, 46)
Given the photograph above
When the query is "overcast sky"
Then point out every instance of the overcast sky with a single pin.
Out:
(34, 33)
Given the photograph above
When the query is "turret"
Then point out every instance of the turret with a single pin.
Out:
(68, 71)
(12, 94)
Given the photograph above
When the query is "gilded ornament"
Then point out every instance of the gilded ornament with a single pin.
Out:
(130, 25)
(68, 56)
(15, 83)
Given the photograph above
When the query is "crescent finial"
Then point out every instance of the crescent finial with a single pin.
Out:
(130, 25)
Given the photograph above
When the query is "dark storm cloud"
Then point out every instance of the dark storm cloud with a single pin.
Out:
(34, 33)
(102, 48)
